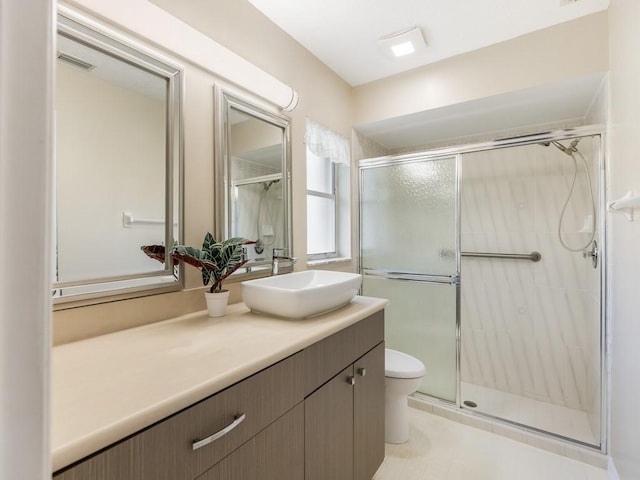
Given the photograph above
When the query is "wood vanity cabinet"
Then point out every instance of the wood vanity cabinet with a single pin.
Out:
(344, 417)
(304, 419)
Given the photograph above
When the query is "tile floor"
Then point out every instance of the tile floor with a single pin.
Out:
(441, 449)
(564, 421)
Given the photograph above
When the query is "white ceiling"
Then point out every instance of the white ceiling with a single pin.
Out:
(344, 33)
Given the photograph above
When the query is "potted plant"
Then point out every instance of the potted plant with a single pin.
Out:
(216, 261)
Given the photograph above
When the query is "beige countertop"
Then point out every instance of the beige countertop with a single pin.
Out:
(108, 387)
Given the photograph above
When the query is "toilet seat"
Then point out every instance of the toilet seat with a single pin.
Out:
(401, 365)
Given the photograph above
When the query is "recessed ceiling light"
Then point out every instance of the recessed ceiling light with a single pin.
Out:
(403, 49)
(404, 42)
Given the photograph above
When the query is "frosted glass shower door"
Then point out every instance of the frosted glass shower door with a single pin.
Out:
(408, 248)
(421, 320)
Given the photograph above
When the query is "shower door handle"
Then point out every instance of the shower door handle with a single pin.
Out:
(443, 279)
(414, 277)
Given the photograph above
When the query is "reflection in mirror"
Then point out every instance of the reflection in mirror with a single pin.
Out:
(255, 155)
(117, 166)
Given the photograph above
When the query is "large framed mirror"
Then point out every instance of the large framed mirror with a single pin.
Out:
(253, 179)
(118, 166)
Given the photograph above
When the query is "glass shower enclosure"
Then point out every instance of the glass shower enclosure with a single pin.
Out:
(491, 256)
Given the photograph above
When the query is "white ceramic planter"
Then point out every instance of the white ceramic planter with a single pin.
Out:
(217, 303)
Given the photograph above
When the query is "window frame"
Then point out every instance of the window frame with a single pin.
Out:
(311, 257)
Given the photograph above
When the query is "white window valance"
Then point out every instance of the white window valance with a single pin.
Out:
(326, 143)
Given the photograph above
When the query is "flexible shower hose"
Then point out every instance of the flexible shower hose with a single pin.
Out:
(571, 151)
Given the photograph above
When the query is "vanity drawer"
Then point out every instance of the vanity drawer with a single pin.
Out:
(165, 451)
(326, 358)
(276, 453)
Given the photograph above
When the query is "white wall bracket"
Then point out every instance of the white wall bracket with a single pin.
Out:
(625, 205)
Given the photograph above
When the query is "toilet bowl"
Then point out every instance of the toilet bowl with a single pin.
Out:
(403, 374)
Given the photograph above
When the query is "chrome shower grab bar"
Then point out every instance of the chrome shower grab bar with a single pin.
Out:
(533, 256)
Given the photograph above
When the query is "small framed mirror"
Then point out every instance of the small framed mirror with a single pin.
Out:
(117, 167)
(253, 179)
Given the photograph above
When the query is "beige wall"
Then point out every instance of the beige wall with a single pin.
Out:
(565, 51)
(625, 238)
(237, 25)
(324, 96)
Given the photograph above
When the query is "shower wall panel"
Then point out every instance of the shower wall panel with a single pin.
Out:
(528, 328)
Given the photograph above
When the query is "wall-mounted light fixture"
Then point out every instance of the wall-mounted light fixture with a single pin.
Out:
(404, 42)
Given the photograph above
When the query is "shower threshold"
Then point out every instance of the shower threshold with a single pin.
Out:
(556, 419)
(476, 417)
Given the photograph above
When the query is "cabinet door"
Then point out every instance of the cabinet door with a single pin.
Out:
(368, 413)
(324, 359)
(329, 430)
(276, 453)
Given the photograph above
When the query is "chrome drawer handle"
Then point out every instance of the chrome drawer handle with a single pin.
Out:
(237, 420)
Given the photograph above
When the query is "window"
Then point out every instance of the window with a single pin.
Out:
(321, 207)
(328, 194)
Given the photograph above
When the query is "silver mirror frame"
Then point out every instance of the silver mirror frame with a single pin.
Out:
(171, 277)
(222, 208)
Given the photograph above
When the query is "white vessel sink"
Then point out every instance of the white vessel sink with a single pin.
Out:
(300, 294)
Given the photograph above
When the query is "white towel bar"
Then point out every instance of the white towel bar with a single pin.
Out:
(128, 220)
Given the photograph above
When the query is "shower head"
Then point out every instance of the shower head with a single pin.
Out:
(267, 185)
(570, 150)
(574, 145)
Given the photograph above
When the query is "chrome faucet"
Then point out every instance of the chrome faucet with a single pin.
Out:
(277, 258)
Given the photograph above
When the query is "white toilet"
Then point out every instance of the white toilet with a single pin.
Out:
(403, 374)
